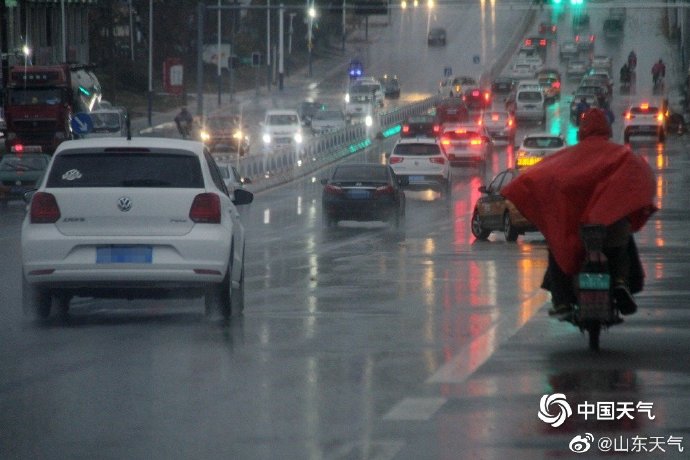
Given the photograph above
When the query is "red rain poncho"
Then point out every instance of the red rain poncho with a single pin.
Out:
(593, 182)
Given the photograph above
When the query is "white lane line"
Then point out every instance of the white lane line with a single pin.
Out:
(474, 354)
(415, 409)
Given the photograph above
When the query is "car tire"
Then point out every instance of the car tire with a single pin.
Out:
(476, 226)
(329, 221)
(509, 231)
(62, 302)
(662, 137)
(237, 295)
(217, 298)
(626, 137)
(36, 302)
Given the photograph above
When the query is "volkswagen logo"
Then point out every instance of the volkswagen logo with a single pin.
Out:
(124, 203)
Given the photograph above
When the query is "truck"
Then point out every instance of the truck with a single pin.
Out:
(40, 101)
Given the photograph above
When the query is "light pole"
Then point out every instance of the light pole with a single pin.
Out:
(218, 55)
(290, 30)
(310, 43)
(268, 45)
(150, 95)
(64, 31)
(344, 27)
(281, 46)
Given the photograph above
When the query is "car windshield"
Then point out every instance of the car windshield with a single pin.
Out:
(421, 150)
(25, 163)
(283, 120)
(125, 169)
(363, 173)
(464, 81)
(545, 142)
(328, 115)
(106, 121)
(217, 123)
(363, 88)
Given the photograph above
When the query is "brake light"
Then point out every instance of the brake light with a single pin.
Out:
(475, 93)
(510, 122)
(460, 131)
(476, 141)
(205, 209)
(628, 116)
(406, 128)
(385, 190)
(438, 160)
(577, 38)
(542, 42)
(487, 96)
(44, 208)
(18, 148)
(556, 84)
(591, 38)
(437, 129)
(395, 160)
(644, 106)
(333, 190)
(528, 42)
(553, 28)
(445, 141)
(494, 117)
(660, 116)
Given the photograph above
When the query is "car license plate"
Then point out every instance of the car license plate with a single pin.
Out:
(118, 254)
(416, 179)
(358, 194)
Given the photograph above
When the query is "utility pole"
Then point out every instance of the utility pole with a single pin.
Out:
(281, 46)
(268, 45)
(150, 95)
(220, 69)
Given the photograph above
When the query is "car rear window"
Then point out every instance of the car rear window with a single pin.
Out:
(368, 173)
(421, 119)
(125, 170)
(543, 142)
(461, 136)
(644, 111)
(496, 116)
(283, 120)
(421, 150)
(529, 96)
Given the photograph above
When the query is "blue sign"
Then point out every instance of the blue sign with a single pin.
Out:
(447, 71)
(476, 59)
(82, 123)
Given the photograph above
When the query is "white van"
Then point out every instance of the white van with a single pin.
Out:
(530, 104)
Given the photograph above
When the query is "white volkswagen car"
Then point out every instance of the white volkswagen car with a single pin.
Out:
(536, 146)
(119, 218)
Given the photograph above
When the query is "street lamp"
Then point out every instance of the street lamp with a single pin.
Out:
(403, 4)
(311, 13)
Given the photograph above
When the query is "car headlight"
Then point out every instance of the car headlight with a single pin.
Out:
(266, 138)
(298, 138)
(347, 97)
(237, 135)
(205, 136)
(368, 121)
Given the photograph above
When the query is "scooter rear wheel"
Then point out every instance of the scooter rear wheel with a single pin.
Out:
(594, 331)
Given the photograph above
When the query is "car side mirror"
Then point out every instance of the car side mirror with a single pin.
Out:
(28, 195)
(403, 181)
(324, 181)
(483, 189)
(387, 155)
(242, 196)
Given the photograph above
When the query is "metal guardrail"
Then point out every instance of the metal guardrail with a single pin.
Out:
(283, 164)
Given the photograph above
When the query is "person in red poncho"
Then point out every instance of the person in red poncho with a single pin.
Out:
(593, 182)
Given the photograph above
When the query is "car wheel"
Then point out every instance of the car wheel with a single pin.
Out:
(237, 294)
(329, 221)
(509, 231)
(477, 230)
(662, 136)
(626, 138)
(217, 298)
(63, 301)
(36, 302)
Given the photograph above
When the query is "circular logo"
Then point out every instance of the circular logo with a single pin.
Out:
(559, 405)
(124, 203)
(581, 444)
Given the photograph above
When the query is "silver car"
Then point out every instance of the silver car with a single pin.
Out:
(122, 218)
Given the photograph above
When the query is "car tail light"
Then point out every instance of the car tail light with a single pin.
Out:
(510, 122)
(528, 42)
(460, 131)
(577, 38)
(395, 160)
(542, 42)
(475, 93)
(591, 38)
(494, 117)
(385, 190)
(644, 106)
(660, 116)
(438, 160)
(333, 190)
(205, 209)
(445, 141)
(487, 96)
(556, 84)
(437, 129)
(553, 29)
(44, 208)
(628, 116)
(476, 141)
(406, 128)
(18, 148)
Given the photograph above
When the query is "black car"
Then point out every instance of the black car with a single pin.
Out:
(225, 130)
(391, 86)
(437, 36)
(307, 109)
(452, 110)
(503, 86)
(421, 126)
(363, 192)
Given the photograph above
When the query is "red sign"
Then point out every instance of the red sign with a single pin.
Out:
(173, 76)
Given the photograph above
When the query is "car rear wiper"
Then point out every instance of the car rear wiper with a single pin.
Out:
(145, 183)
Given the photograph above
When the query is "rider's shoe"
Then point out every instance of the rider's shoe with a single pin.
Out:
(561, 310)
(623, 300)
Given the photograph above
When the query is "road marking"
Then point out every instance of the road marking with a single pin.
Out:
(372, 450)
(475, 353)
(415, 409)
